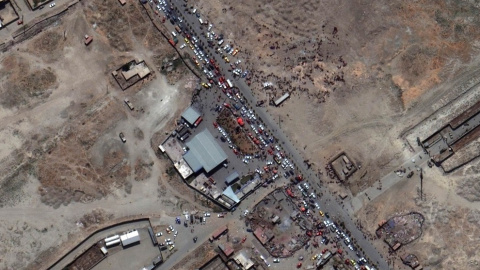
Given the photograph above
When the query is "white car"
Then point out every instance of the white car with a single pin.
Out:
(52, 5)
(159, 234)
(182, 46)
(175, 234)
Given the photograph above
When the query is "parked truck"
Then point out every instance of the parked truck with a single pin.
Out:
(178, 29)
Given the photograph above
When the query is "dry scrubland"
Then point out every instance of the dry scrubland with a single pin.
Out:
(63, 166)
(362, 73)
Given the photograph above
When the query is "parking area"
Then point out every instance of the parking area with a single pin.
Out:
(135, 256)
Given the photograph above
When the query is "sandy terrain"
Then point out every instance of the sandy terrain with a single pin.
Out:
(63, 165)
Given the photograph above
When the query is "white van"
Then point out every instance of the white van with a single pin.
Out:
(194, 11)
(174, 34)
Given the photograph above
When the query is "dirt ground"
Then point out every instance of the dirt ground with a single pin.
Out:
(442, 245)
(63, 165)
(360, 74)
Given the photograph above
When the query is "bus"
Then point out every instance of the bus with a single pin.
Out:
(229, 83)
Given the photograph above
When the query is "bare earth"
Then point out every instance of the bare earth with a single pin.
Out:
(362, 74)
(63, 165)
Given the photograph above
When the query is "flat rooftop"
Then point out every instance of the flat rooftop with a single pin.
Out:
(205, 151)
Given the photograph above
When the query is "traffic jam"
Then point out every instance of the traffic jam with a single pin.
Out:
(275, 161)
(326, 232)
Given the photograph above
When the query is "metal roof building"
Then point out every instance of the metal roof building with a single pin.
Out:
(232, 178)
(282, 99)
(190, 115)
(130, 238)
(204, 152)
(230, 194)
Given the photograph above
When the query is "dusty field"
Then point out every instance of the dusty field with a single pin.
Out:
(390, 57)
(444, 212)
(361, 74)
(64, 168)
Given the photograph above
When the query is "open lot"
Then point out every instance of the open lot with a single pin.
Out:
(64, 167)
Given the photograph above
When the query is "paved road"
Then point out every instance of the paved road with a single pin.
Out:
(328, 200)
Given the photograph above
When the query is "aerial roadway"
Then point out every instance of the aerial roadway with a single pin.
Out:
(328, 200)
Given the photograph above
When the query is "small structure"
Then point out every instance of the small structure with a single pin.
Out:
(131, 73)
(131, 237)
(157, 260)
(281, 99)
(243, 260)
(88, 40)
(122, 2)
(230, 196)
(343, 167)
(191, 116)
(294, 215)
(152, 236)
(232, 178)
(276, 219)
(264, 236)
(226, 249)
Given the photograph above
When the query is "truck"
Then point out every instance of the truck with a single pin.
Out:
(129, 104)
(88, 40)
(197, 122)
(230, 84)
(178, 29)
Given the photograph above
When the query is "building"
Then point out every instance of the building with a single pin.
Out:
(191, 116)
(157, 260)
(130, 238)
(226, 249)
(243, 260)
(281, 99)
(232, 178)
(135, 69)
(204, 152)
(131, 73)
(294, 215)
(276, 219)
(152, 236)
(264, 236)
